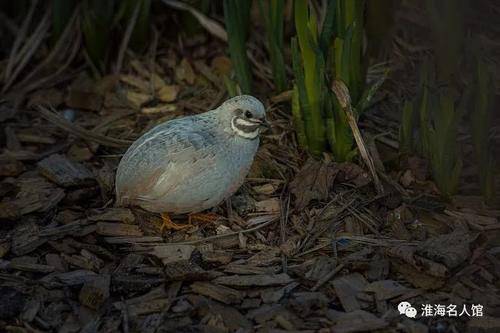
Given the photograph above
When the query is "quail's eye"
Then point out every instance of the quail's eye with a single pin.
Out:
(248, 114)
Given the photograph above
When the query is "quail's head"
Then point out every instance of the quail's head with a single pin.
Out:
(245, 115)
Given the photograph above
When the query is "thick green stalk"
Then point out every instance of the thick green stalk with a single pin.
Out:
(328, 29)
(306, 26)
(348, 46)
(273, 18)
(236, 16)
(305, 115)
(445, 159)
(297, 117)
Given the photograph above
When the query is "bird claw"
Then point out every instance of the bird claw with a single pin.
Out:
(170, 225)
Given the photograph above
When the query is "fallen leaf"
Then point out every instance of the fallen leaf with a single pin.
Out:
(184, 72)
(272, 205)
(266, 189)
(139, 68)
(353, 173)
(136, 82)
(165, 108)
(222, 65)
(138, 99)
(168, 93)
(157, 82)
(313, 182)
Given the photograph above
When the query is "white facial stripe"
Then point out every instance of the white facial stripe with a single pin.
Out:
(247, 135)
(243, 134)
(244, 122)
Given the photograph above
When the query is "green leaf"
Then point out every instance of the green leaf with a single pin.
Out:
(61, 13)
(231, 86)
(273, 19)
(297, 118)
(97, 22)
(236, 17)
(306, 27)
(481, 122)
(365, 100)
(328, 28)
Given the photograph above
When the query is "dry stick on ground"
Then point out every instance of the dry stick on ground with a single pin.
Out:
(327, 277)
(211, 238)
(342, 93)
(59, 121)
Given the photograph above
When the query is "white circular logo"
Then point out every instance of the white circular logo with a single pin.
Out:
(411, 312)
(403, 306)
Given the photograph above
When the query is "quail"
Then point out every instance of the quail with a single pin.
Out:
(191, 164)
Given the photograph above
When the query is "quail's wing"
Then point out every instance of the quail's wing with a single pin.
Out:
(164, 158)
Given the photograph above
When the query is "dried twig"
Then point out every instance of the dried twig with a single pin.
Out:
(19, 39)
(212, 26)
(327, 277)
(28, 50)
(59, 121)
(56, 54)
(234, 233)
(342, 93)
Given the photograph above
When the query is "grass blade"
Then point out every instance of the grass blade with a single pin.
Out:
(273, 18)
(236, 16)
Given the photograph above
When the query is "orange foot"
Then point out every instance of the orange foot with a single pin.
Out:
(203, 217)
(168, 224)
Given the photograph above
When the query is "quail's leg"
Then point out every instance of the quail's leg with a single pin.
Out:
(169, 224)
(203, 217)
